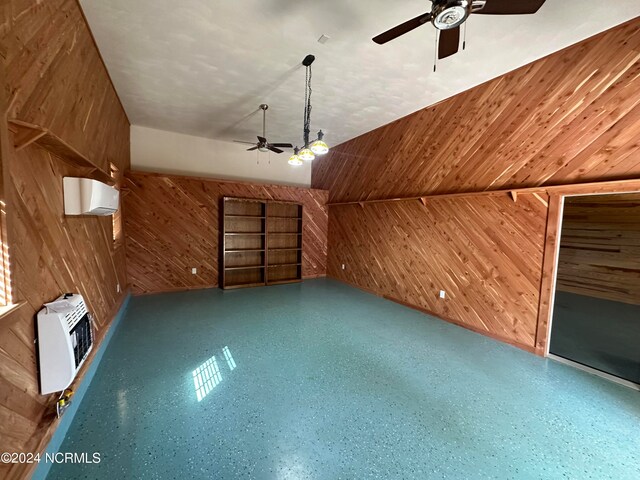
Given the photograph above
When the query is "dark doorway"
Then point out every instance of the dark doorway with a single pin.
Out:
(596, 316)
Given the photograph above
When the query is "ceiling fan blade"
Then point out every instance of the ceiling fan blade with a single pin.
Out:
(281, 145)
(510, 7)
(274, 149)
(251, 149)
(262, 139)
(449, 42)
(246, 143)
(401, 29)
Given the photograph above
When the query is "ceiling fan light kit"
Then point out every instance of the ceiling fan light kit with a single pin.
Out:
(447, 16)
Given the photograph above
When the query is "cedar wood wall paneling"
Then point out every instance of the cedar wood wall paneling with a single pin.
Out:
(63, 86)
(171, 224)
(569, 118)
(600, 247)
(478, 250)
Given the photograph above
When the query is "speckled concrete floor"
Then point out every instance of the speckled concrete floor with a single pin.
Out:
(322, 381)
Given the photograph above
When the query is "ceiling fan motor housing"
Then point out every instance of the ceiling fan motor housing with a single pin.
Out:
(448, 14)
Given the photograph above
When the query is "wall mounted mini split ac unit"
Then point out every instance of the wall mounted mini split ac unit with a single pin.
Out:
(65, 338)
(85, 196)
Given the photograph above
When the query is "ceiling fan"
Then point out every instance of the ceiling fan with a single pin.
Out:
(262, 144)
(448, 15)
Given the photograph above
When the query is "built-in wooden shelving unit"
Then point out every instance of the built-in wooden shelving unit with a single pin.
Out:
(24, 134)
(284, 243)
(261, 243)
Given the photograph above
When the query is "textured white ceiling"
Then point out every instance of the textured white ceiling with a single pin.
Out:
(202, 67)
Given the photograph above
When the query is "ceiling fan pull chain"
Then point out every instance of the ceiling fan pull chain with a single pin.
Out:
(464, 35)
(435, 52)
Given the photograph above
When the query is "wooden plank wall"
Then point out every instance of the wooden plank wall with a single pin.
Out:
(55, 74)
(478, 250)
(600, 247)
(171, 224)
(570, 118)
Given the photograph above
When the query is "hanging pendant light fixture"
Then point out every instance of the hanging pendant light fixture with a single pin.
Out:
(295, 158)
(317, 146)
(307, 155)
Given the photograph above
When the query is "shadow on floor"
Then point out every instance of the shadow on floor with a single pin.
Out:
(598, 333)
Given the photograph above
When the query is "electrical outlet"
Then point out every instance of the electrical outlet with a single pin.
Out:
(343, 266)
(194, 270)
(443, 294)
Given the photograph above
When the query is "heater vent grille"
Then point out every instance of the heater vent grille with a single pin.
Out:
(72, 318)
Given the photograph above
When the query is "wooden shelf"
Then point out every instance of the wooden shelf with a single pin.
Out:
(245, 267)
(243, 250)
(243, 216)
(9, 309)
(244, 233)
(284, 233)
(27, 133)
(284, 249)
(290, 218)
(284, 265)
(243, 285)
(282, 282)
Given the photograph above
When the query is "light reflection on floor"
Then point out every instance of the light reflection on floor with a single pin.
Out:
(230, 361)
(206, 377)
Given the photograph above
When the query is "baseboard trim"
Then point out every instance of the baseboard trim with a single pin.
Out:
(311, 277)
(174, 290)
(458, 323)
(206, 287)
(42, 468)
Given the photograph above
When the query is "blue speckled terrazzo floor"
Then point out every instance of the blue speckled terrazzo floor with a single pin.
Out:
(333, 383)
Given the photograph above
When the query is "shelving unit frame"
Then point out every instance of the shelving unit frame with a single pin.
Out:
(261, 242)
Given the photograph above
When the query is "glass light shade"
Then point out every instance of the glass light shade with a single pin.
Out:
(295, 161)
(319, 147)
(306, 155)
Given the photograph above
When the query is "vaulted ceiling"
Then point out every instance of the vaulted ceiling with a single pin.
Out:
(573, 117)
(203, 67)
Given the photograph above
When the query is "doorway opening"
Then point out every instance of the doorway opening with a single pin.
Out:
(596, 309)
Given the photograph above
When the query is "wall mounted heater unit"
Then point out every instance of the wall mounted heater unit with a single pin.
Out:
(65, 339)
(85, 196)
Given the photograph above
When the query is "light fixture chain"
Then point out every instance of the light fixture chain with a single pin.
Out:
(307, 107)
